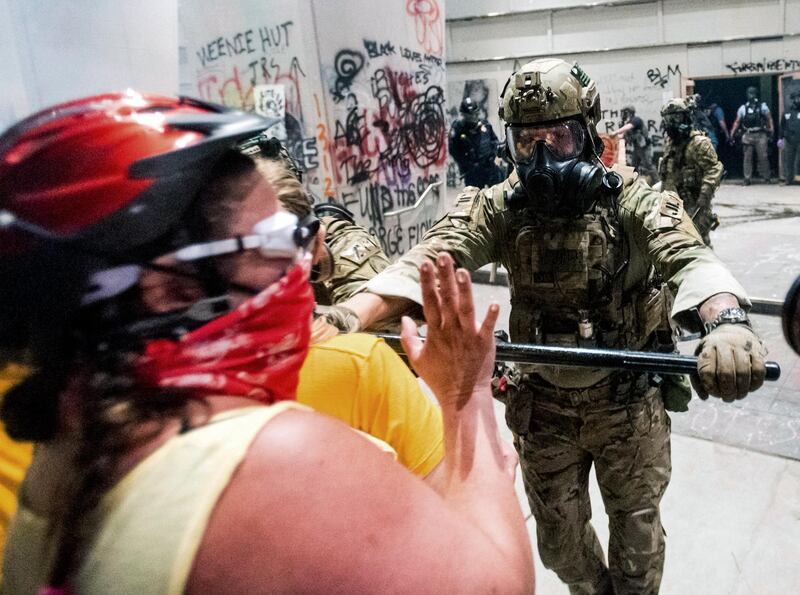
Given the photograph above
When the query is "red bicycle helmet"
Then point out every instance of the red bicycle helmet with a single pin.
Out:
(116, 170)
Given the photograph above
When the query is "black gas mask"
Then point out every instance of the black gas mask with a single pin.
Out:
(555, 179)
(677, 126)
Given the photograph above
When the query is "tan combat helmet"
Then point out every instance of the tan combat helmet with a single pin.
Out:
(676, 105)
(550, 89)
(676, 116)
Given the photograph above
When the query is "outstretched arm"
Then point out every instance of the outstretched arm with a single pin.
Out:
(468, 234)
(315, 508)
(623, 130)
(731, 359)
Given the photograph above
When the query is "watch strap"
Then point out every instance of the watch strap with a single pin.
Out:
(727, 316)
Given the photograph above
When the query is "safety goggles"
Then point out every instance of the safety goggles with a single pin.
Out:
(564, 139)
(281, 235)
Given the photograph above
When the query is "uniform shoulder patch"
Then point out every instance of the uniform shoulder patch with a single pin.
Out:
(670, 210)
(356, 252)
(466, 197)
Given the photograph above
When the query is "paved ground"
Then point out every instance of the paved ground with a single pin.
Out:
(732, 511)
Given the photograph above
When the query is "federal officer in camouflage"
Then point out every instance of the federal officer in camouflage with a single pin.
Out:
(690, 166)
(349, 256)
(593, 258)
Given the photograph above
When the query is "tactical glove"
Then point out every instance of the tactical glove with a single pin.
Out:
(730, 363)
(322, 330)
(342, 318)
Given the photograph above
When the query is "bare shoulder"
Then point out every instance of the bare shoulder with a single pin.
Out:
(288, 506)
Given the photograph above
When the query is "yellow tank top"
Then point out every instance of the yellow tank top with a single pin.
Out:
(150, 525)
(14, 457)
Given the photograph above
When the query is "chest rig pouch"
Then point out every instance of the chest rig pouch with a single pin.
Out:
(680, 172)
(567, 289)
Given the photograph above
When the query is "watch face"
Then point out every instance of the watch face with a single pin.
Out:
(733, 315)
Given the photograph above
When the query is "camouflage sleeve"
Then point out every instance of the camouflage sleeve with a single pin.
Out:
(710, 165)
(659, 228)
(466, 233)
(357, 257)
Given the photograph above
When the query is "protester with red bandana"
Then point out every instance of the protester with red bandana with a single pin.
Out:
(163, 300)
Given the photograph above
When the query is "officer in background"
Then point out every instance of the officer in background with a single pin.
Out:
(790, 137)
(690, 165)
(716, 116)
(701, 119)
(474, 146)
(755, 120)
(637, 138)
(588, 253)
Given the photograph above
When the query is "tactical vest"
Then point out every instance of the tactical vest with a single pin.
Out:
(702, 121)
(680, 173)
(474, 144)
(566, 280)
(752, 116)
(791, 126)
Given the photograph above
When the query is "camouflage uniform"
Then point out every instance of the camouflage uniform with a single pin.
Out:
(353, 255)
(600, 266)
(357, 257)
(691, 168)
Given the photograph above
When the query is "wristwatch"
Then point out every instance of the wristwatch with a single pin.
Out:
(728, 316)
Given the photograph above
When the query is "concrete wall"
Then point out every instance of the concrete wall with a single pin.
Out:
(359, 89)
(638, 51)
(54, 50)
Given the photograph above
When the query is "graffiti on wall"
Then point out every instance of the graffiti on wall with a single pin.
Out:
(661, 78)
(362, 106)
(387, 140)
(765, 65)
(261, 69)
(427, 23)
(645, 90)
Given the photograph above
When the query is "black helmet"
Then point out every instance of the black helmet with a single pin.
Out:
(268, 147)
(469, 107)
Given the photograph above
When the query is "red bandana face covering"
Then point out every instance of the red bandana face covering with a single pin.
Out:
(254, 351)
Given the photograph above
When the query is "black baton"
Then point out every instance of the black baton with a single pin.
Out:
(635, 361)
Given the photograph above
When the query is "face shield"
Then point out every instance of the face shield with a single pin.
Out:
(565, 140)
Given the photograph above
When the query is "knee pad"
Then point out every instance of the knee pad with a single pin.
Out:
(638, 532)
